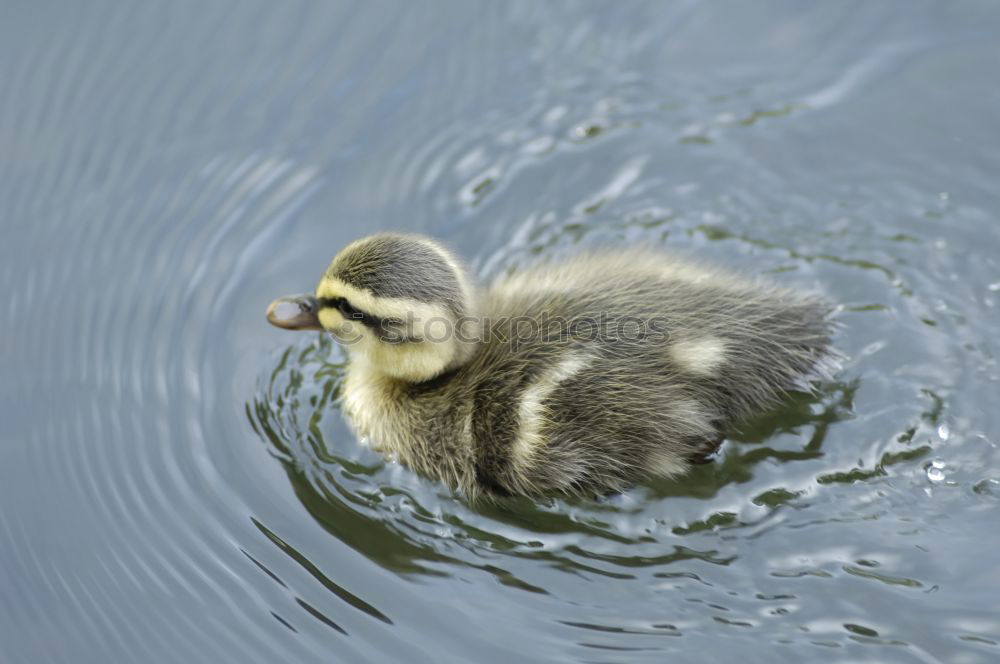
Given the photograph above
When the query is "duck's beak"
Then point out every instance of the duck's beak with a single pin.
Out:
(294, 312)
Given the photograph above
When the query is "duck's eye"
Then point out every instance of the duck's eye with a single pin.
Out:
(348, 311)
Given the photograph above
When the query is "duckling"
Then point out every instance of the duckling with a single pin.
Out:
(581, 376)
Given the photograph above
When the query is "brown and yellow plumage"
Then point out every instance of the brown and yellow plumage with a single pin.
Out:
(574, 377)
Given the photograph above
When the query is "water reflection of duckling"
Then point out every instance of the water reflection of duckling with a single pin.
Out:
(580, 376)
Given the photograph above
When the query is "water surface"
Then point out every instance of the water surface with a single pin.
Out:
(176, 481)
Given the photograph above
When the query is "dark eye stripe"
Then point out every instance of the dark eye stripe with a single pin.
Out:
(344, 307)
(350, 312)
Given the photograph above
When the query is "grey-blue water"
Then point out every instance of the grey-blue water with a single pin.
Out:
(176, 481)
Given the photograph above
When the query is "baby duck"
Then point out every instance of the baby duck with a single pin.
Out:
(576, 377)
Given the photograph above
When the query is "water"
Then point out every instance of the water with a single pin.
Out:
(176, 483)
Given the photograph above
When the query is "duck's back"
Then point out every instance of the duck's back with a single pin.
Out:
(612, 364)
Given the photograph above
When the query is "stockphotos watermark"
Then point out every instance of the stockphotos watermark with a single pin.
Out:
(515, 331)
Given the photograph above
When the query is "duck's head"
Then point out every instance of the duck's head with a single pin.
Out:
(401, 303)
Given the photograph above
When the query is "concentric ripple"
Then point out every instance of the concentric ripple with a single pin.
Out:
(176, 479)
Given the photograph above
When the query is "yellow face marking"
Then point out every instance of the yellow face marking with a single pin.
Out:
(330, 319)
(414, 312)
(435, 347)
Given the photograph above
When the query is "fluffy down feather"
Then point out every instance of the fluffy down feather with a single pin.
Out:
(665, 357)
